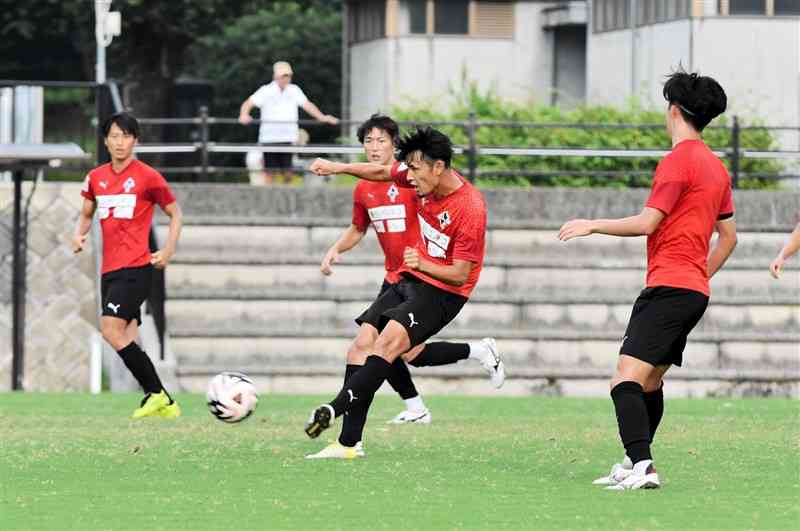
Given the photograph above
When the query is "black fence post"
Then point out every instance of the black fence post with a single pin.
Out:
(18, 291)
(735, 154)
(204, 141)
(472, 151)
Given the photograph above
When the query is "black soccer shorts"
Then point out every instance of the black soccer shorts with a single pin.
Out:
(124, 290)
(421, 308)
(661, 320)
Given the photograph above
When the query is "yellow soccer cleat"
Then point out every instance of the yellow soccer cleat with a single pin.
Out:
(170, 411)
(151, 405)
(336, 450)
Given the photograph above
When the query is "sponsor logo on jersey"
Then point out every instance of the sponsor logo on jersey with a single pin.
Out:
(437, 242)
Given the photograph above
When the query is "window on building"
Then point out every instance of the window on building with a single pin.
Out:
(417, 16)
(787, 7)
(747, 7)
(367, 20)
(610, 15)
(655, 11)
(451, 17)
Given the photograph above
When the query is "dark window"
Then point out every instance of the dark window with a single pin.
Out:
(418, 16)
(787, 7)
(654, 11)
(367, 20)
(611, 14)
(747, 7)
(451, 17)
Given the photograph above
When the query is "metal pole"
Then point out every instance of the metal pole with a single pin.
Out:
(204, 141)
(18, 309)
(735, 146)
(472, 152)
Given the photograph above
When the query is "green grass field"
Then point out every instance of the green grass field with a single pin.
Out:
(72, 461)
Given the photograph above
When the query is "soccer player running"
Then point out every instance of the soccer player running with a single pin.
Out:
(690, 197)
(392, 212)
(123, 193)
(791, 247)
(437, 276)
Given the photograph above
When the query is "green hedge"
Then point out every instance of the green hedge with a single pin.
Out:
(490, 107)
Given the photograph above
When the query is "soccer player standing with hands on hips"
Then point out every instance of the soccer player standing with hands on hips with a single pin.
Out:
(690, 197)
(437, 276)
(791, 247)
(123, 193)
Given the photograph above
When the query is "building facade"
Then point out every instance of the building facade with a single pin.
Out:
(570, 52)
(400, 51)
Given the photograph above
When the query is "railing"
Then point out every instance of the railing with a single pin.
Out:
(205, 147)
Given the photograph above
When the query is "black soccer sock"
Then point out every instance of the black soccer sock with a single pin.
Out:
(655, 409)
(400, 380)
(138, 362)
(634, 425)
(366, 381)
(441, 353)
(354, 420)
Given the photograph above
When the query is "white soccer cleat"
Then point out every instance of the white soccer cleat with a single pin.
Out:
(492, 363)
(335, 450)
(619, 472)
(410, 416)
(643, 476)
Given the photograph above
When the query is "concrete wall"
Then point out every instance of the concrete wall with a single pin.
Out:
(60, 307)
(756, 59)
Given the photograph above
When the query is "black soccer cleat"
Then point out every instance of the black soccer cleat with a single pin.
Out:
(320, 420)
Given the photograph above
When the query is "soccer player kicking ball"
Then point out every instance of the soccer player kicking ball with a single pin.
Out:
(437, 275)
(791, 247)
(392, 212)
(690, 197)
(123, 193)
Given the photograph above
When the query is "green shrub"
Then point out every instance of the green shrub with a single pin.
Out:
(631, 171)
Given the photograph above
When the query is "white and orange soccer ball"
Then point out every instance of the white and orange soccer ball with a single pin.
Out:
(231, 397)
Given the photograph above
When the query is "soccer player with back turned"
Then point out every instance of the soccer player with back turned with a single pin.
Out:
(123, 192)
(690, 198)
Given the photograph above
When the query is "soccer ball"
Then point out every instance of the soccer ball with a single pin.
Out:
(231, 397)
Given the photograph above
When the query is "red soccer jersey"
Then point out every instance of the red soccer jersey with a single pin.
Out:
(693, 189)
(125, 207)
(392, 212)
(451, 228)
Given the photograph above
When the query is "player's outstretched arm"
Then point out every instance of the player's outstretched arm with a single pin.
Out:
(455, 274)
(724, 246)
(349, 239)
(161, 258)
(642, 224)
(83, 225)
(791, 247)
(362, 170)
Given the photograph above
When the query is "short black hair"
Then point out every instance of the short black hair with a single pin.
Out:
(124, 121)
(382, 122)
(434, 145)
(699, 98)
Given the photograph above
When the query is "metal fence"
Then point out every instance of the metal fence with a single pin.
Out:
(204, 147)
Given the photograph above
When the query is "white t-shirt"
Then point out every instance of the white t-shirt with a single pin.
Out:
(279, 105)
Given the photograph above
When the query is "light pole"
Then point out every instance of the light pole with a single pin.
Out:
(107, 25)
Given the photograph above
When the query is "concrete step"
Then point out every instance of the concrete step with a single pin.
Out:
(597, 282)
(321, 353)
(486, 313)
(254, 241)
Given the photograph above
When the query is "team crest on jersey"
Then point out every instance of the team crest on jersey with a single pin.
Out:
(444, 219)
(393, 192)
(128, 184)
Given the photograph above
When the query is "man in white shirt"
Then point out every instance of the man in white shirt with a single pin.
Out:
(278, 102)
